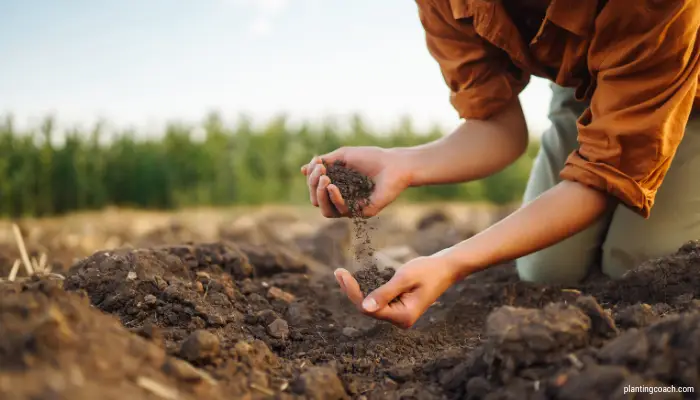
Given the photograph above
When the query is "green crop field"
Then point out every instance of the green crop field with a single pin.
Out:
(228, 165)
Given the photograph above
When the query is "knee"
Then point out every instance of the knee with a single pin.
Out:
(545, 268)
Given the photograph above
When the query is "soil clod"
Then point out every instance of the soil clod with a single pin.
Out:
(200, 345)
(355, 188)
(278, 328)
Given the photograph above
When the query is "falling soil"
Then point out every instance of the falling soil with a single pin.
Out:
(357, 189)
(237, 321)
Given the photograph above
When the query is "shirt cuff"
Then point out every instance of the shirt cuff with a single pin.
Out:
(610, 180)
(482, 101)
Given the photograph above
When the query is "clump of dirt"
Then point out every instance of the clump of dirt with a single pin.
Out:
(355, 187)
(54, 345)
(371, 278)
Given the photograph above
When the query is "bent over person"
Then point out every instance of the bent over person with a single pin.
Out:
(617, 178)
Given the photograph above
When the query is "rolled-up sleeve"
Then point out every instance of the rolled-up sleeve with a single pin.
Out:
(481, 78)
(645, 59)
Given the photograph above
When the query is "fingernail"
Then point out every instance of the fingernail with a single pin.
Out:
(340, 280)
(370, 305)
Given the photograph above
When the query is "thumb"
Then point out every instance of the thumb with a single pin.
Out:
(384, 294)
(333, 156)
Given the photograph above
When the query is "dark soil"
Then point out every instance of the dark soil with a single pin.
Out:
(371, 278)
(234, 321)
(357, 189)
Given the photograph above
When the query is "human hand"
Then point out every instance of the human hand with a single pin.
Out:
(390, 172)
(411, 291)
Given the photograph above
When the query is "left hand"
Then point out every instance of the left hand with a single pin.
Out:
(415, 287)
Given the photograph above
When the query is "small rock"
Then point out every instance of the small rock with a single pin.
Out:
(216, 320)
(279, 294)
(351, 332)
(320, 383)
(401, 373)
(200, 345)
(150, 299)
(131, 275)
(266, 317)
(278, 329)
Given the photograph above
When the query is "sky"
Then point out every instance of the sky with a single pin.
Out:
(142, 63)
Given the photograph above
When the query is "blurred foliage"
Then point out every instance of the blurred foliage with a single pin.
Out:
(216, 165)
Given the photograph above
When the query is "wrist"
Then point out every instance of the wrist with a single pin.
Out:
(405, 158)
(458, 261)
(455, 264)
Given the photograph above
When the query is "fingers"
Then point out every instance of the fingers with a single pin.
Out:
(334, 156)
(383, 295)
(324, 201)
(307, 168)
(401, 313)
(313, 180)
(337, 199)
(349, 286)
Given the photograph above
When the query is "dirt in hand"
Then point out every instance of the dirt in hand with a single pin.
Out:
(371, 278)
(356, 190)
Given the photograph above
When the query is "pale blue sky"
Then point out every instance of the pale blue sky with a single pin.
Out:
(144, 62)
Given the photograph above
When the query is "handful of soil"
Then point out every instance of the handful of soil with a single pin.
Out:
(355, 188)
(371, 278)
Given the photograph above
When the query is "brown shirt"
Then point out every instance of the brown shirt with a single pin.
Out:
(637, 61)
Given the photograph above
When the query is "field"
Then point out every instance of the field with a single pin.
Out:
(242, 304)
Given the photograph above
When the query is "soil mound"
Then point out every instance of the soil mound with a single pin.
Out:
(244, 321)
(53, 345)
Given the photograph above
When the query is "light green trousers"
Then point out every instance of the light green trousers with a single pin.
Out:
(621, 239)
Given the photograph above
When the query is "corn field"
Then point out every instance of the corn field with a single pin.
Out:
(227, 165)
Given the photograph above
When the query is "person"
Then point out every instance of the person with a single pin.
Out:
(624, 120)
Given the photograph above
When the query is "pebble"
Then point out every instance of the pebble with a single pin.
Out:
(278, 329)
(150, 299)
(320, 383)
(200, 345)
(279, 294)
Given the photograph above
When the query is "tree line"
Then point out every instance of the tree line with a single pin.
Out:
(222, 165)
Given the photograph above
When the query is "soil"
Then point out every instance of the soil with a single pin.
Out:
(254, 319)
(357, 189)
(239, 321)
(371, 278)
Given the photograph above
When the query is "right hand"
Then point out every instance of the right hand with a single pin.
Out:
(389, 171)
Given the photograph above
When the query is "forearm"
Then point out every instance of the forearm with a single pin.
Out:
(559, 213)
(475, 150)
